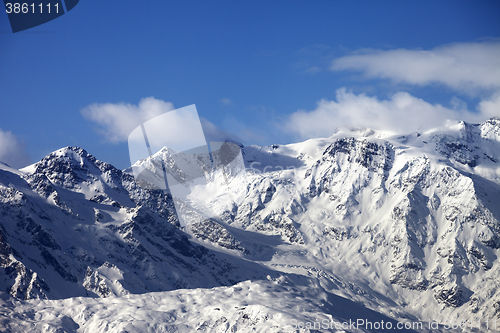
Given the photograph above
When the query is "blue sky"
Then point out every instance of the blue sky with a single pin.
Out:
(266, 71)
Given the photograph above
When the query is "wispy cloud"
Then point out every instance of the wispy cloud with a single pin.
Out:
(314, 58)
(117, 120)
(467, 67)
(401, 113)
(226, 101)
(12, 150)
(215, 134)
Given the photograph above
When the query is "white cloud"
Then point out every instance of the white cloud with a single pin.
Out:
(466, 67)
(490, 107)
(117, 120)
(176, 130)
(402, 113)
(179, 130)
(12, 150)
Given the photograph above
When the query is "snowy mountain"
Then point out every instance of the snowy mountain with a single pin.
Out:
(363, 224)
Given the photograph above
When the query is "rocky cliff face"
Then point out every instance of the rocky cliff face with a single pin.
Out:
(409, 223)
(75, 226)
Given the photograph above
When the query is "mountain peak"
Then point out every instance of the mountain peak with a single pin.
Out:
(72, 166)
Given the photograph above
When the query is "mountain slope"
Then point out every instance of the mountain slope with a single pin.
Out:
(415, 217)
(75, 226)
(407, 225)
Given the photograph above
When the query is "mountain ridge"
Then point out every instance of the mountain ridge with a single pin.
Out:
(406, 224)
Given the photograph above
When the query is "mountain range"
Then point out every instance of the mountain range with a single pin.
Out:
(363, 225)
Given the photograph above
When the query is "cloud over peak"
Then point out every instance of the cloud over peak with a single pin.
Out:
(12, 150)
(117, 120)
(401, 113)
